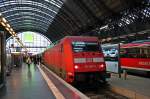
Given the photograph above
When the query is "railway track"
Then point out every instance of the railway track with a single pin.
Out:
(101, 92)
(104, 95)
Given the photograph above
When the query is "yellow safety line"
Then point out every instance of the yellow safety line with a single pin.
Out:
(52, 87)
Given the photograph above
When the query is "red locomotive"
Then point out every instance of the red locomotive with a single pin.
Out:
(136, 56)
(76, 59)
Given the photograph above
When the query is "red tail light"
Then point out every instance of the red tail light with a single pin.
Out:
(102, 66)
(76, 66)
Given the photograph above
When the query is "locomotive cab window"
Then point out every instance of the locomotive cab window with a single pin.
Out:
(85, 46)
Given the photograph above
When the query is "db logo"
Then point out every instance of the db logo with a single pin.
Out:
(89, 59)
(144, 63)
(90, 66)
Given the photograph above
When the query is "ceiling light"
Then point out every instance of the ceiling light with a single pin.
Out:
(8, 25)
(103, 40)
(142, 32)
(7, 28)
(131, 35)
(3, 24)
(11, 32)
(104, 27)
(108, 39)
(4, 20)
(11, 29)
(14, 33)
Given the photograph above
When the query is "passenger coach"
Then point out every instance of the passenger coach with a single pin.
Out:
(76, 59)
(135, 56)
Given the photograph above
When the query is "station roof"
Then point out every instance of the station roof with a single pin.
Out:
(58, 18)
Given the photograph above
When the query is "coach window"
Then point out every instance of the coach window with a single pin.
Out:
(123, 53)
(146, 52)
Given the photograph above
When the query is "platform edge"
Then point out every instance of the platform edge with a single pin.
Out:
(82, 96)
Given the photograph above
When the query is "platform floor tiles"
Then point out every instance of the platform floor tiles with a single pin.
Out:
(137, 84)
(26, 83)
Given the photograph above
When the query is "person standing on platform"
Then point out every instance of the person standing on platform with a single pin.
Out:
(28, 61)
(38, 60)
(35, 60)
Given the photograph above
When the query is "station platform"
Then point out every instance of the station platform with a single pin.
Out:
(33, 83)
(133, 87)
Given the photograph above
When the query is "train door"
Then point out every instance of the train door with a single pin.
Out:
(63, 67)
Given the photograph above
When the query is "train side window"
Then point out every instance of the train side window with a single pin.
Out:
(123, 53)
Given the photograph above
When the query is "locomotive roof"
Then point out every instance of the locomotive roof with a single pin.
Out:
(81, 38)
(135, 44)
(141, 41)
(75, 38)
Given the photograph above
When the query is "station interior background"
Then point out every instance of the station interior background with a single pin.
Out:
(32, 25)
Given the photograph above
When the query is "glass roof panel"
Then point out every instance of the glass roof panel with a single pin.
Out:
(27, 27)
(35, 42)
(26, 18)
(29, 11)
(29, 22)
(15, 10)
(31, 16)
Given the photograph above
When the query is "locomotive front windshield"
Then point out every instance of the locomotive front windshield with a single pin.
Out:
(85, 46)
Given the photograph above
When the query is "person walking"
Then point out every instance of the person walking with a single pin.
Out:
(28, 61)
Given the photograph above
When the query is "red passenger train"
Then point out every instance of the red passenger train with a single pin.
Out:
(136, 56)
(76, 59)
